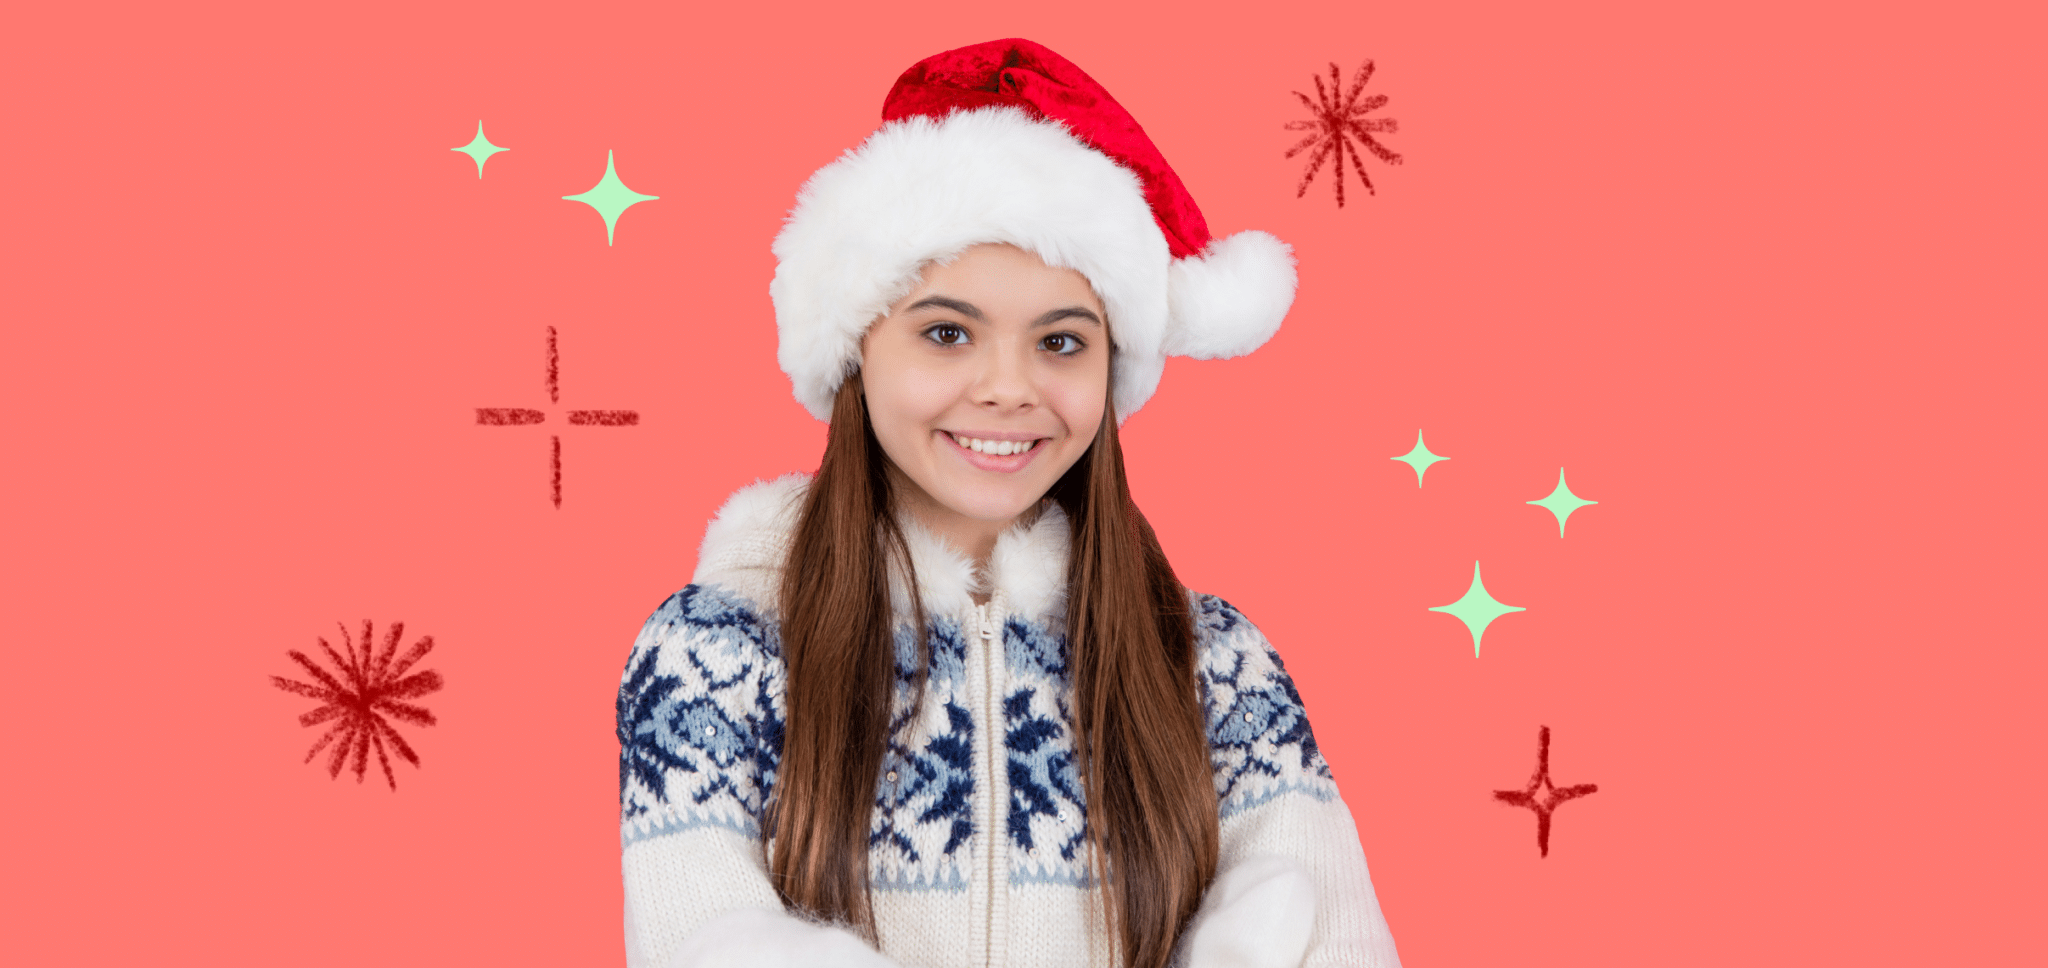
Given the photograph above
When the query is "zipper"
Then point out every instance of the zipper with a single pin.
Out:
(996, 851)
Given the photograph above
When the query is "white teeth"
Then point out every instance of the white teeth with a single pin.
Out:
(997, 448)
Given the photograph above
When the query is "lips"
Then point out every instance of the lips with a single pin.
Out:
(1000, 463)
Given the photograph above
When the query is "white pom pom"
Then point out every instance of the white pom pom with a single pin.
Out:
(1229, 300)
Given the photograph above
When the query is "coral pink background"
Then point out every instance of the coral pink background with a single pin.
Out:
(1762, 277)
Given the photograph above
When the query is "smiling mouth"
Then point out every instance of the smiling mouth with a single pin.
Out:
(995, 448)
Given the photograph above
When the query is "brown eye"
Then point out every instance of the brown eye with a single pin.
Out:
(947, 334)
(1065, 344)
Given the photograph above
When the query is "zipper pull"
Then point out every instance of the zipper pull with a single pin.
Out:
(987, 626)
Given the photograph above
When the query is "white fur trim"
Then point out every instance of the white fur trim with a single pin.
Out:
(921, 190)
(747, 542)
(1028, 564)
(1031, 565)
(1230, 299)
(946, 579)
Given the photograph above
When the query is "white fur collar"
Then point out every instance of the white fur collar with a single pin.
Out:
(746, 544)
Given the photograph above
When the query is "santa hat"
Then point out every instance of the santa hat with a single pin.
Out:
(1006, 141)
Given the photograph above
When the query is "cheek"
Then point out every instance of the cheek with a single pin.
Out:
(1079, 404)
(904, 401)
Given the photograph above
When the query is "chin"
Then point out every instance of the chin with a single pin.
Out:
(990, 503)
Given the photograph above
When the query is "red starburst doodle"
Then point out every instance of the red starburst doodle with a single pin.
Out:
(1337, 123)
(372, 684)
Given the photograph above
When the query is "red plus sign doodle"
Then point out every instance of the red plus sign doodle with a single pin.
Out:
(513, 416)
(1540, 796)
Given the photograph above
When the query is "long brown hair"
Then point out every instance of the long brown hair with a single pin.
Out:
(1138, 728)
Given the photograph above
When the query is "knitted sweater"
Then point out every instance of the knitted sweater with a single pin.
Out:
(977, 853)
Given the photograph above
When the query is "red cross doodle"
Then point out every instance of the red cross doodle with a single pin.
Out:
(1550, 796)
(514, 416)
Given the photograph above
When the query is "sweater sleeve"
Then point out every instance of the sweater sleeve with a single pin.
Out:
(1286, 835)
(700, 735)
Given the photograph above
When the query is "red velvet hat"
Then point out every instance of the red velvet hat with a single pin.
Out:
(1007, 141)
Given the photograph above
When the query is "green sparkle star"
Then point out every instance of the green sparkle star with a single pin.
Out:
(1420, 458)
(610, 197)
(480, 149)
(1477, 609)
(1561, 502)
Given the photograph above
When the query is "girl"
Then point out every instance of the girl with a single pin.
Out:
(944, 703)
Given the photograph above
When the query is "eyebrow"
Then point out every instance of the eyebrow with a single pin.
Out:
(973, 312)
(1068, 312)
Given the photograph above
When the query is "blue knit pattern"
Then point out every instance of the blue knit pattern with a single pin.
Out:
(924, 800)
(1047, 813)
(700, 716)
(1260, 744)
(700, 727)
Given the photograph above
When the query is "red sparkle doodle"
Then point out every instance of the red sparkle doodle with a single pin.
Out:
(1550, 797)
(517, 417)
(1337, 123)
(371, 685)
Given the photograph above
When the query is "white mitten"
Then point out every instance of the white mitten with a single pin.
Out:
(761, 938)
(1257, 914)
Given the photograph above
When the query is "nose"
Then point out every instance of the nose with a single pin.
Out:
(1005, 383)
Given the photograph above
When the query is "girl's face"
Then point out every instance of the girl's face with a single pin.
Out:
(988, 381)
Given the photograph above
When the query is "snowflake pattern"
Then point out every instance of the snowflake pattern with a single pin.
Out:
(371, 685)
(1260, 743)
(1046, 802)
(1338, 121)
(700, 733)
(924, 801)
(699, 714)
